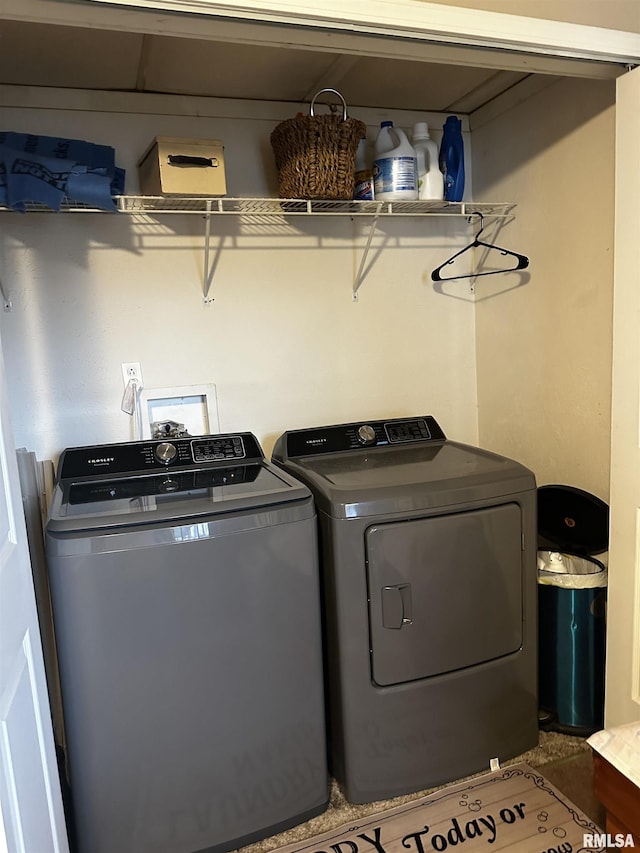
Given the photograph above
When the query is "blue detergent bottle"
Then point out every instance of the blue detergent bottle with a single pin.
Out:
(451, 159)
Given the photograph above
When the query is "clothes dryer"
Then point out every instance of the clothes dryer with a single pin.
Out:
(429, 574)
(185, 593)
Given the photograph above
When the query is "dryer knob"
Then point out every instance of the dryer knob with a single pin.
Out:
(366, 434)
(166, 452)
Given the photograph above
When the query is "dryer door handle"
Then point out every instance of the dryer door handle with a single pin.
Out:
(396, 606)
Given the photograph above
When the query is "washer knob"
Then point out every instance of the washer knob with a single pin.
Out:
(366, 434)
(166, 452)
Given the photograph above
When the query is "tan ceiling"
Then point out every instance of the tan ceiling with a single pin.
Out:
(69, 57)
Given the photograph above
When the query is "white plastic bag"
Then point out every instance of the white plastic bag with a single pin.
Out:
(569, 571)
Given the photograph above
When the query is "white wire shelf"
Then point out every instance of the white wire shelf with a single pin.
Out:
(278, 207)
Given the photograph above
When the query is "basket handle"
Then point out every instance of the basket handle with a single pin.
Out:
(335, 92)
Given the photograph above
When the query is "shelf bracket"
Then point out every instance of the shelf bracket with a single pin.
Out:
(206, 274)
(362, 273)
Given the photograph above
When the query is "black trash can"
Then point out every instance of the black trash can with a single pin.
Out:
(573, 526)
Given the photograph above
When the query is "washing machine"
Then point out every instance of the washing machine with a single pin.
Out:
(429, 575)
(185, 597)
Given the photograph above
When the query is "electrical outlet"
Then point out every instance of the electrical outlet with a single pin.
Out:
(132, 370)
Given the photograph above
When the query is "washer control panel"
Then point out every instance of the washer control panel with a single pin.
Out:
(158, 455)
(344, 437)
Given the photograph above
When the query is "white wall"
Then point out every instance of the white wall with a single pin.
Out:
(544, 349)
(284, 342)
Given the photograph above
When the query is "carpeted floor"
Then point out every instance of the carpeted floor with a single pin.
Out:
(564, 760)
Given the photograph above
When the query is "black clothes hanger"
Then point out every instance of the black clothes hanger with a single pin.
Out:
(522, 260)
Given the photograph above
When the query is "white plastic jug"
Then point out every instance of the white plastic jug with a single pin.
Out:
(430, 178)
(395, 171)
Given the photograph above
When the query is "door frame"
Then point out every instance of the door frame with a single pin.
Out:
(405, 29)
(622, 690)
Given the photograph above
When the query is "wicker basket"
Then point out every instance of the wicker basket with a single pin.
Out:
(316, 155)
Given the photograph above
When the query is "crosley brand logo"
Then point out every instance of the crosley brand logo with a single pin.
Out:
(316, 441)
(101, 460)
(607, 840)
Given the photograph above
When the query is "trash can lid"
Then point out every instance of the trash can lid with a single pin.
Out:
(572, 520)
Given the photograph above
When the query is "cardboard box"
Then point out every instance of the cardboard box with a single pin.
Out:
(184, 167)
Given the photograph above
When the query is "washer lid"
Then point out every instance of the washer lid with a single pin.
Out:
(172, 498)
(572, 520)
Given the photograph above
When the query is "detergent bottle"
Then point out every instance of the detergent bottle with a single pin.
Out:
(452, 159)
(430, 178)
(395, 172)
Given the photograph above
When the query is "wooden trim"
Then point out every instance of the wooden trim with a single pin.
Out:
(622, 702)
(619, 796)
(410, 30)
(414, 18)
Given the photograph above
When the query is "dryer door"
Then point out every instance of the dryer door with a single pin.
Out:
(445, 592)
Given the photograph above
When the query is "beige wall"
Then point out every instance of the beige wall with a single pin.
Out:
(544, 349)
(611, 14)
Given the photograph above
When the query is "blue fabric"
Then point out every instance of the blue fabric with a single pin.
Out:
(47, 169)
(28, 178)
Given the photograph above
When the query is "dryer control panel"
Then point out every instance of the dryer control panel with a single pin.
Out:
(354, 436)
